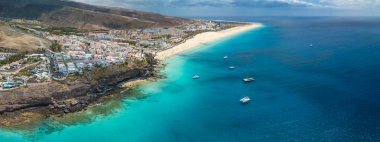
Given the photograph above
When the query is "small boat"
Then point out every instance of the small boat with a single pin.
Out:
(245, 100)
(225, 57)
(196, 76)
(231, 67)
(311, 45)
(248, 79)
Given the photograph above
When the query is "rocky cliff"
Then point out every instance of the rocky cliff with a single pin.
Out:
(73, 94)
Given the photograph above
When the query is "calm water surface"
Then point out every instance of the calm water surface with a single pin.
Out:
(327, 92)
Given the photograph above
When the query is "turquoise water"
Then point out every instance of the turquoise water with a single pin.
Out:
(328, 92)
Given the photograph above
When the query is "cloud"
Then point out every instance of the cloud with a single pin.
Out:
(354, 4)
(242, 3)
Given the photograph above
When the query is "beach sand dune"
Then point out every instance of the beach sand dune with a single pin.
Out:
(205, 38)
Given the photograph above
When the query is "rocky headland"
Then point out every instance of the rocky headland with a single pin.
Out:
(73, 94)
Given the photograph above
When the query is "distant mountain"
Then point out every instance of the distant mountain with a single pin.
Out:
(63, 13)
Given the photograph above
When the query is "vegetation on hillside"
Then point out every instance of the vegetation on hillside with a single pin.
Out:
(8, 50)
(64, 31)
(12, 58)
(56, 47)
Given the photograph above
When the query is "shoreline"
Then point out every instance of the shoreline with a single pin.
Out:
(205, 37)
(78, 106)
(194, 42)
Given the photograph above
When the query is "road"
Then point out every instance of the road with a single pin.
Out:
(18, 70)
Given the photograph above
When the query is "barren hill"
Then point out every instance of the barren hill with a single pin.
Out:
(11, 38)
(63, 13)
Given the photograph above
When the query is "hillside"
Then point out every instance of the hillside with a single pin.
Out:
(62, 13)
(11, 38)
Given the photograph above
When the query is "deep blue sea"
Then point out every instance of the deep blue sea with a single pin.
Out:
(327, 92)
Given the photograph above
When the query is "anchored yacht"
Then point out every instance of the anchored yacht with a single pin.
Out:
(248, 79)
(196, 76)
(245, 100)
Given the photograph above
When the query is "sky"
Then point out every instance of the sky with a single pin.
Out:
(199, 8)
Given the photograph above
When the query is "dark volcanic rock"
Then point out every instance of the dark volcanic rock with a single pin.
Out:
(63, 98)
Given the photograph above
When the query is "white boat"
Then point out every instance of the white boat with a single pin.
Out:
(225, 57)
(245, 100)
(231, 67)
(196, 76)
(311, 45)
(248, 79)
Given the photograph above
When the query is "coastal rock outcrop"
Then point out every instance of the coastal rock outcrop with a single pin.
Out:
(70, 95)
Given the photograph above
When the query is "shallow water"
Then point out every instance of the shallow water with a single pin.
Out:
(328, 92)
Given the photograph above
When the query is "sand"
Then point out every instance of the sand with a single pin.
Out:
(204, 38)
(194, 42)
(134, 83)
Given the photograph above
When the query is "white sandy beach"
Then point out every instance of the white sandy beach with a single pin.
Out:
(203, 38)
(193, 42)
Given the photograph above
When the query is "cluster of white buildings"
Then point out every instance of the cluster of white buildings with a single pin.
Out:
(85, 52)
(103, 48)
(40, 73)
(204, 26)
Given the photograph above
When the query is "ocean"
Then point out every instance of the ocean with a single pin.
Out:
(326, 92)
